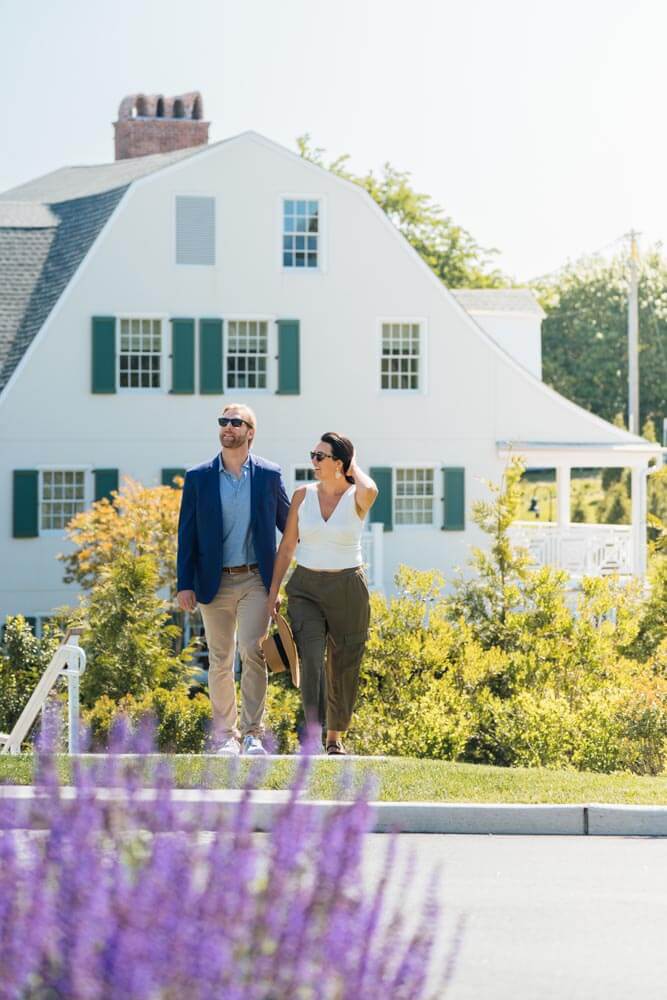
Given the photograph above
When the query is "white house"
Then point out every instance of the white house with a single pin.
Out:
(138, 296)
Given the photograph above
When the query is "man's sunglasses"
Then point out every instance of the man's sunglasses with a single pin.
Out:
(319, 456)
(234, 421)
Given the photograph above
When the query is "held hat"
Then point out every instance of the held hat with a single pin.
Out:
(280, 651)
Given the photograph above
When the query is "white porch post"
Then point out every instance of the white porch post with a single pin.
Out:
(563, 495)
(638, 520)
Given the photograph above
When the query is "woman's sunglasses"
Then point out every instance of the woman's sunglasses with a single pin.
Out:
(319, 456)
(234, 421)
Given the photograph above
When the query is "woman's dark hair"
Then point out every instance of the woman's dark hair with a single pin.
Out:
(341, 448)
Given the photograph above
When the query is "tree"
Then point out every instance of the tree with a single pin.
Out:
(584, 337)
(128, 638)
(138, 519)
(449, 250)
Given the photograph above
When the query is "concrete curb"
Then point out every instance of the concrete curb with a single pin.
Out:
(202, 809)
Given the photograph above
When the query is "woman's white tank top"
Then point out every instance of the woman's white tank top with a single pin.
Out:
(332, 544)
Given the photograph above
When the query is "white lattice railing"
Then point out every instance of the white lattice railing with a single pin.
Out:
(580, 549)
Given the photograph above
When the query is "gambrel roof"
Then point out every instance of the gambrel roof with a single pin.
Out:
(47, 226)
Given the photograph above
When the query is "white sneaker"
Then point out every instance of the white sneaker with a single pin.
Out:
(252, 746)
(230, 748)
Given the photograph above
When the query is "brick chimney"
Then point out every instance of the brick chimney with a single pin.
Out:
(156, 124)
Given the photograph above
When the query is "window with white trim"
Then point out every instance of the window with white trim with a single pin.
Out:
(301, 233)
(62, 495)
(303, 474)
(140, 354)
(247, 344)
(414, 496)
(400, 360)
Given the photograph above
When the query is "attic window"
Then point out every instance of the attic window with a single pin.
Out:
(195, 230)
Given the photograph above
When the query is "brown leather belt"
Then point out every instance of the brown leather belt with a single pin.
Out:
(239, 569)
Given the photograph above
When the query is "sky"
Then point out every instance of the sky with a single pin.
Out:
(538, 126)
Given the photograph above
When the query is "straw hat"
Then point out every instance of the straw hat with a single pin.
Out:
(280, 651)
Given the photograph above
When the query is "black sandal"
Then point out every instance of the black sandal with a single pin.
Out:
(336, 749)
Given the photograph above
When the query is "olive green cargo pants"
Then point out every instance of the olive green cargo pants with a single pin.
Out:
(329, 613)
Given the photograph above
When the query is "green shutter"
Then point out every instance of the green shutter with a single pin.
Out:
(106, 480)
(382, 509)
(26, 503)
(210, 356)
(289, 382)
(182, 356)
(168, 476)
(453, 488)
(104, 354)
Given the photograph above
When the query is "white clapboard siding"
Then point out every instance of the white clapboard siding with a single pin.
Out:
(195, 230)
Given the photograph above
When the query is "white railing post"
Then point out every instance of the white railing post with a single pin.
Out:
(377, 532)
(76, 664)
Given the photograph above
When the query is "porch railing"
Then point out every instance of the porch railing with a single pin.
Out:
(580, 549)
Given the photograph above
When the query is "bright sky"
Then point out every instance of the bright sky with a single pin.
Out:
(538, 125)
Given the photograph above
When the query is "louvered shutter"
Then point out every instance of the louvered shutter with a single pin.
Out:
(210, 356)
(453, 489)
(382, 509)
(289, 362)
(103, 354)
(106, 480)
(182, 356)
(25, 503)
(195, 230)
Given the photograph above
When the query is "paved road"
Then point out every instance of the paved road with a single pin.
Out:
(568, 918)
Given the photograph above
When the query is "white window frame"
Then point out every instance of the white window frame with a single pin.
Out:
(165, 355)
(323, 229)
(39, 616)
(434, 467)
(87, 494)
(420, 321)
(216, 230)
(297, 467)
(271, 353)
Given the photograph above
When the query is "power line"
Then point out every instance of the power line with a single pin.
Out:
(569, 264)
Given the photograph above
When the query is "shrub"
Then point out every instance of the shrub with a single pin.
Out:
(101, 907)
(183, 723)
(23, 660)
(129, 639)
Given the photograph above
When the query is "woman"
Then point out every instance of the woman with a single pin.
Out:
(328, 595)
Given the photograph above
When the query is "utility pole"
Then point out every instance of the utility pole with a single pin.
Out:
(633, 336)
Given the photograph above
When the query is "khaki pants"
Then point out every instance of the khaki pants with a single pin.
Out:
(329, 613)
(239, 606)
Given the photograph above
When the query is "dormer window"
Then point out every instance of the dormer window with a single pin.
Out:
(301, 233)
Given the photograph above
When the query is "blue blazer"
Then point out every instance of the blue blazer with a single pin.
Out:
(199, 561)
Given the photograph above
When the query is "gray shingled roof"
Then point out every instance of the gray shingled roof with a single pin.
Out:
(504, 300)
(47, 227)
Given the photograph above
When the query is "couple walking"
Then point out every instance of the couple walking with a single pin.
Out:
(227, 562)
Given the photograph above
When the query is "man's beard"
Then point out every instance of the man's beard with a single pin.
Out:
(236, 443)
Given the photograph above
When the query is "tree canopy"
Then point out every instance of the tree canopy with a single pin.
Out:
(584, 337)
(448, 249)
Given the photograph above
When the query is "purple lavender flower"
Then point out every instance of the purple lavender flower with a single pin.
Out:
(118, 898)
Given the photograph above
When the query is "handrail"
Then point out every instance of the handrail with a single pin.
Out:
(68, 659)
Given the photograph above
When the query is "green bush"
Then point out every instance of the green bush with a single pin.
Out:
(184, 722)
(23, 660)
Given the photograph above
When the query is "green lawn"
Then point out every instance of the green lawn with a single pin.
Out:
(405, 780)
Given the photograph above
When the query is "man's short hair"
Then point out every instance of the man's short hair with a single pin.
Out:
(245, 411)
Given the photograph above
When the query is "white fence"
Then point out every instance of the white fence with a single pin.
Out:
(580, 549)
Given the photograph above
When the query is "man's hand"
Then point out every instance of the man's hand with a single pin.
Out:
(273, 605)
(187, 600)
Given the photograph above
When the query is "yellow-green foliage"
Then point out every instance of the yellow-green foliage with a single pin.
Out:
(184, 722)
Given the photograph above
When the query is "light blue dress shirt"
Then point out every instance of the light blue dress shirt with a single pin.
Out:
(237, 544)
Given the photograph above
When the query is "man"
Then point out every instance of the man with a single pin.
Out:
(230, 509)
